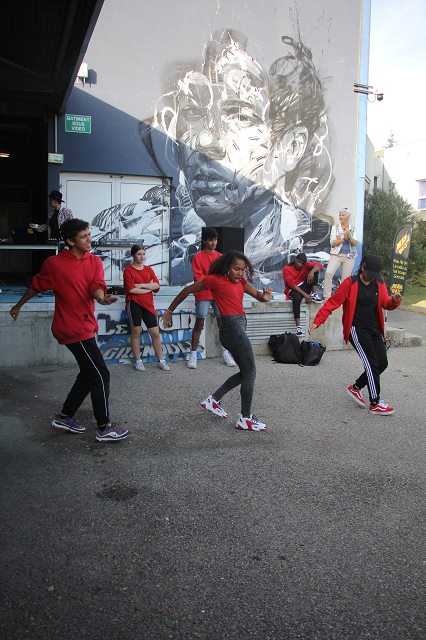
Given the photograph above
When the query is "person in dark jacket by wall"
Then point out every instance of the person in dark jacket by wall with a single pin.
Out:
(363, 297)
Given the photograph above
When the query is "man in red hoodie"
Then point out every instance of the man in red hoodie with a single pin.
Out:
(77, 279)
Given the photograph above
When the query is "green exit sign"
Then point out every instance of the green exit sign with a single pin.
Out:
(78, 124)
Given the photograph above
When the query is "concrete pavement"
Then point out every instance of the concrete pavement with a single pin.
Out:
(191, 529)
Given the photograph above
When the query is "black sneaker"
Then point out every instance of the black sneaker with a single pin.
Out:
(315, 298)
(299, 331)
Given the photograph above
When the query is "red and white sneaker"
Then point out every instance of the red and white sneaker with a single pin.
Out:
(382, 409)
(356, 395)
(214, 406)
(250, 424)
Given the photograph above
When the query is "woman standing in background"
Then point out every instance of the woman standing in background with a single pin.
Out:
(140, 281)
(343, 250)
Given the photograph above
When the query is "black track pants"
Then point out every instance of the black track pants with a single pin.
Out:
(93, 378)
(371, 349)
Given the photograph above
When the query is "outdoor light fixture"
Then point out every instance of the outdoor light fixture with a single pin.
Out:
(367, 90)
(4, 154)
(83, 73)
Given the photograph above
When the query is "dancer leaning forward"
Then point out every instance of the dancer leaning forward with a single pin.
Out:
(227, 282)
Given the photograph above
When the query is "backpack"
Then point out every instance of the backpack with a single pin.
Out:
(312, 353)
(285, 348)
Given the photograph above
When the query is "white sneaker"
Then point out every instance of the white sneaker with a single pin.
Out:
(228, 359)
(163, 365)
(299, 331)
(192, 361)
(250, 424)
(139, 365)
(315, 298)
(214, 406)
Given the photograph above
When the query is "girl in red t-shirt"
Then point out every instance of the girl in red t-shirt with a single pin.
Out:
(227, 283)
(140, 282)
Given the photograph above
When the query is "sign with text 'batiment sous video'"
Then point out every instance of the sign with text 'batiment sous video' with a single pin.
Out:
(78, 124)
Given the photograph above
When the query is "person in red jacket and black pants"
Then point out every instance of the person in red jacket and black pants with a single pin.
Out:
(77, 279)
(363, 297)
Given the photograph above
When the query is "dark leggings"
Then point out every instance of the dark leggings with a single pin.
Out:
(371, 349)
(233, 337)
(297, 297)
(93, 378)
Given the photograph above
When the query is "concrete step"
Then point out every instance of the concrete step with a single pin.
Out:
(401, 338)
(411, 340)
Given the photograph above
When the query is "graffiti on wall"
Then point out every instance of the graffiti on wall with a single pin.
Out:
(245, 146)
(145, 222)
(114, 337)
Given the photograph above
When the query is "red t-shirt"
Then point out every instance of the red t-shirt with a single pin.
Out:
(227, 295)
(292, 277)
(201, 264)
(132, 277)
(74, 282)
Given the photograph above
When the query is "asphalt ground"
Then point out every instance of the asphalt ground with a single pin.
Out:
(191, 529)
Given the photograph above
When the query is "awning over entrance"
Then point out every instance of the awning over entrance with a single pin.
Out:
(42, 45)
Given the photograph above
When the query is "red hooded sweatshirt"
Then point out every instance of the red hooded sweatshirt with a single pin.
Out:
(74, 282)
(347, 295)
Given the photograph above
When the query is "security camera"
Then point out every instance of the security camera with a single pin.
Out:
(379, 96)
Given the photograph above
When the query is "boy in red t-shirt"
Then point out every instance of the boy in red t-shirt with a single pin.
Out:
(201, 264)
(77, 279)
(301, 282)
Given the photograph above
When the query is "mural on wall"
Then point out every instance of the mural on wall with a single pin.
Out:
(247, 147)
(114, 340)
(244, 146)
(145, 221)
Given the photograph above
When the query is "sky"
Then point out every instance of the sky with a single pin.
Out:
(398, 70)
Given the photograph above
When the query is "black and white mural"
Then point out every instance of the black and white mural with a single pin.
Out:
(246, 147)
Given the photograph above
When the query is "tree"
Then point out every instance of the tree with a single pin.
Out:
(417, 262)
(384, 214)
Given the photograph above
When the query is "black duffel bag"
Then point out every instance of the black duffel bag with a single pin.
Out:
(285, 348)
(312, 353)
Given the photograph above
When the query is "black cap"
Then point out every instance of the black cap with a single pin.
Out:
(56, 195)
(373, 264)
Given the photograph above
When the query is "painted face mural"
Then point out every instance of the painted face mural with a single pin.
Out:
(223, 133)
(249, 148)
